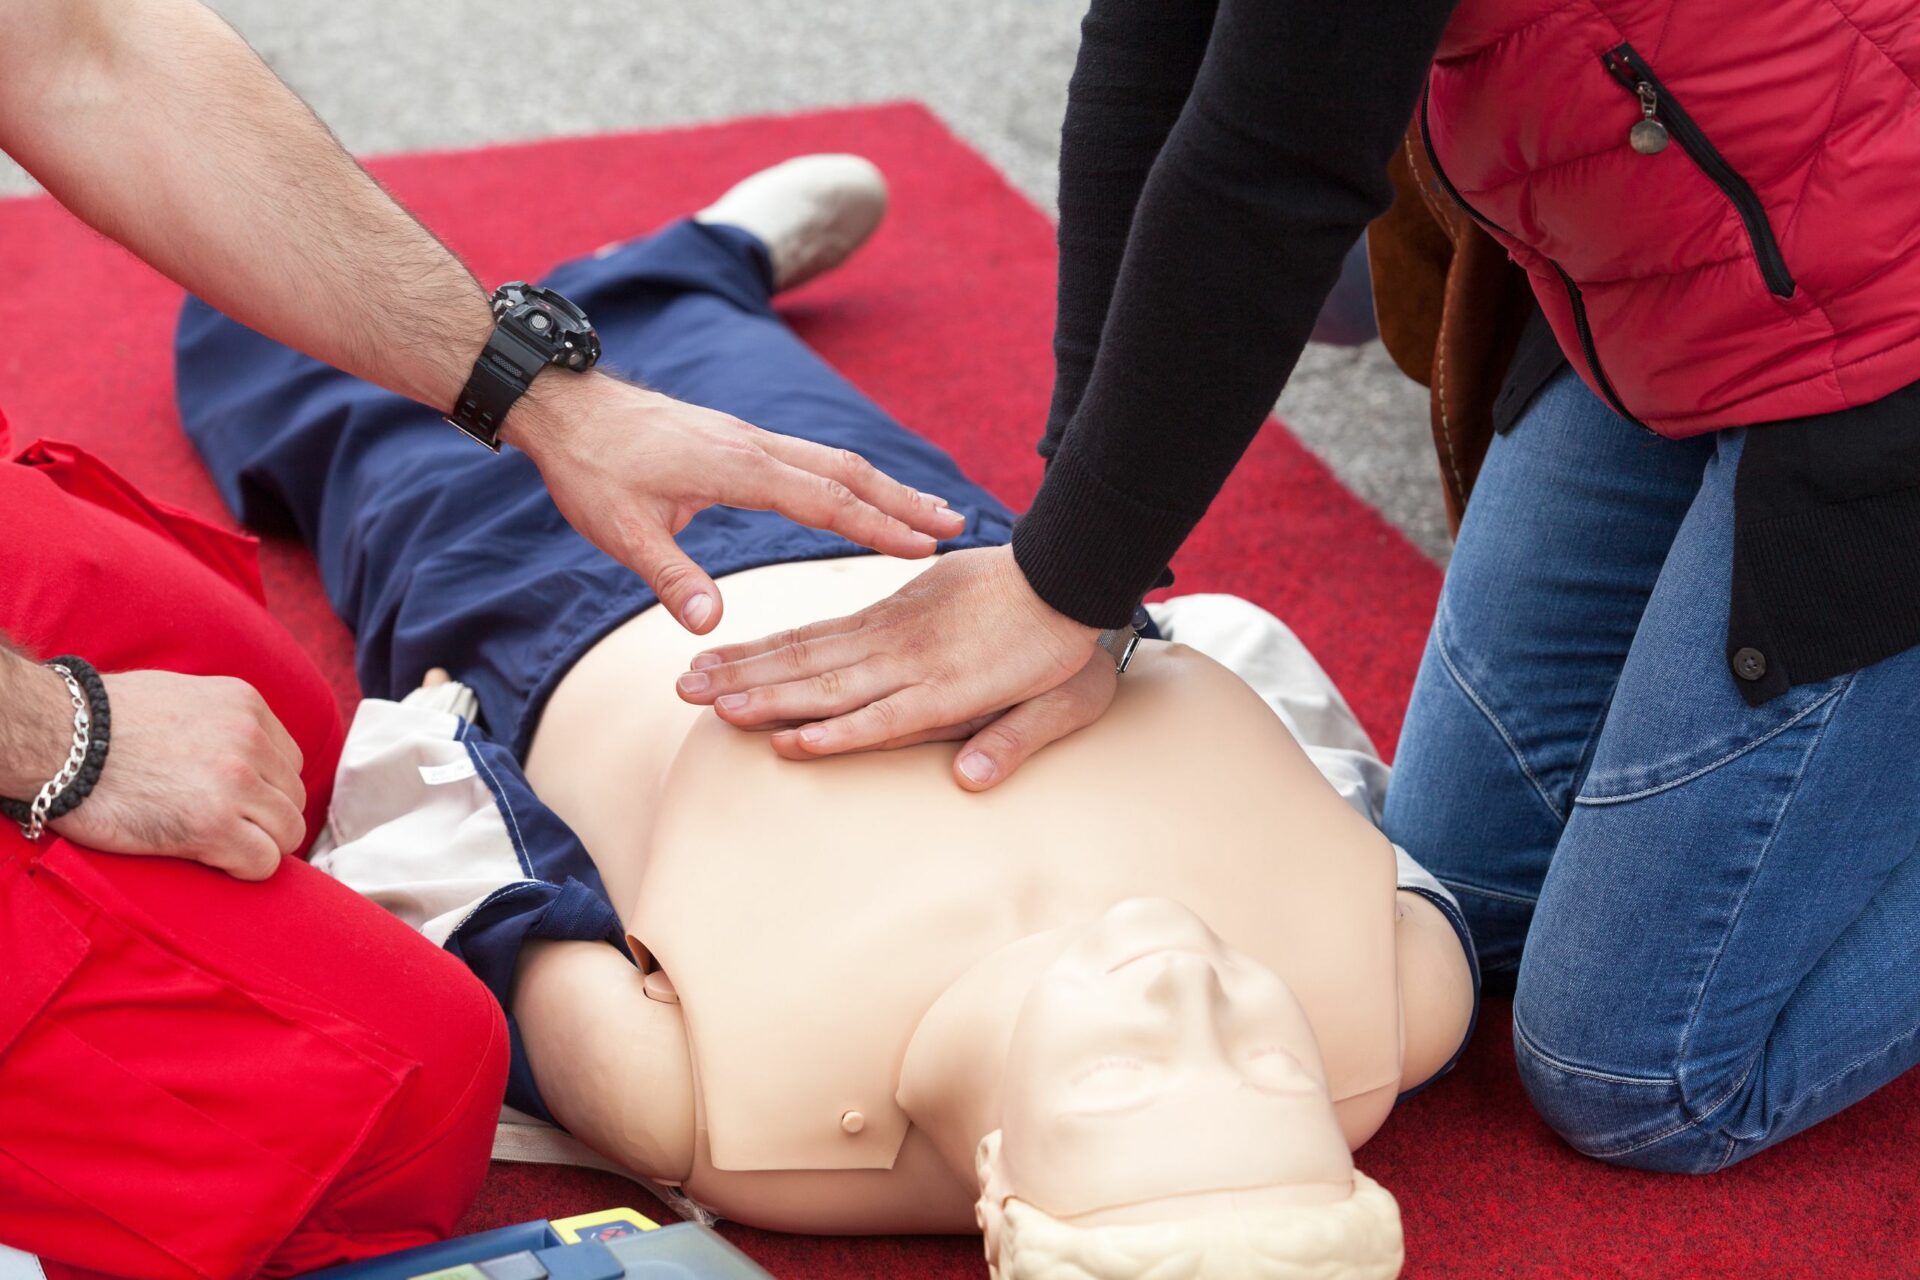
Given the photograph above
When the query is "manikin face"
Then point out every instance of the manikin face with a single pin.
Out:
(1151, 1065)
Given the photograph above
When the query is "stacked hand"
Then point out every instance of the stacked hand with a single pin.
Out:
(629, 468)
(966, 651)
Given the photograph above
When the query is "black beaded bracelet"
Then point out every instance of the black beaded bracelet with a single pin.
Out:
(101, 715)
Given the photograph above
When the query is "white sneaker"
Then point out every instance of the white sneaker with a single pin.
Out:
(811, 212)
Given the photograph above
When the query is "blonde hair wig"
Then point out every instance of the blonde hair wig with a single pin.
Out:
(1357, 1238)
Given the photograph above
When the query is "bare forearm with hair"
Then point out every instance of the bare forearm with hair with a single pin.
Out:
(157, 124)
(36, 723)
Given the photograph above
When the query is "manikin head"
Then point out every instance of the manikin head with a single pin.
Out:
(1166, 1113)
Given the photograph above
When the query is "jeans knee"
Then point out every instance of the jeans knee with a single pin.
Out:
(1631, 1120)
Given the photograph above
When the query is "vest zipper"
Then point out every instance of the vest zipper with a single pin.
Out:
(1657, 104)
(1574, 298)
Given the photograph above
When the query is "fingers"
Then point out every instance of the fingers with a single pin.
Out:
(682, 585)
(273, 811)
(272, 736)
(279, 740)
(909, 712)
(245, 851)
(820, 503)
(993, 754)
(284, 782)
(274, 755)
(923, 512)
(825, 657)
(726, 653)
(786, 743)
(833, 692)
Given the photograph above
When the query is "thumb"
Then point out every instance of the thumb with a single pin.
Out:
(686, 590)
(992, 755)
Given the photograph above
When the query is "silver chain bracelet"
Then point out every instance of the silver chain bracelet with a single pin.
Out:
(76, 757)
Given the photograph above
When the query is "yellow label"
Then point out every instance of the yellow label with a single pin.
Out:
(604, 1225)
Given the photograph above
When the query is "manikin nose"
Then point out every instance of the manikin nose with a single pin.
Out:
(1188, 987)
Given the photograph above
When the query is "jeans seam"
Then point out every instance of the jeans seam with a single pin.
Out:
(1730, 757)
(1856, 1064)
(1513, 748)
(1692, 1121)
(1672, 1131)
(1461, 886)
(1533, 1047)
(1814, 1090)
(1746, 890)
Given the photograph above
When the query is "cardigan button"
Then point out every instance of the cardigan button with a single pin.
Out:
(1750, 664)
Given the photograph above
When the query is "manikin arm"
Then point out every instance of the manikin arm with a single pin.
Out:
(1436, 989)
(612, 1063)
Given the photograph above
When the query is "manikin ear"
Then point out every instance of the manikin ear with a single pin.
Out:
(990, 1211)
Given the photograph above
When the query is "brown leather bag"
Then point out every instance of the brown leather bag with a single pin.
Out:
(1450, 306)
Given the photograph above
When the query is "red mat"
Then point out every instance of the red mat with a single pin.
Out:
(945, 319)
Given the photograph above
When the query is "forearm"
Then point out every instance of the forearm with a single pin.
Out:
(157, 124)
(1135, 68)
(1273, 170)
(36, 724)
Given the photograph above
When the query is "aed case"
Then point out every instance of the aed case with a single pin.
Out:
(536, 1251)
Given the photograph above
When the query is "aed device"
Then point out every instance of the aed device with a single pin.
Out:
(612, 1245)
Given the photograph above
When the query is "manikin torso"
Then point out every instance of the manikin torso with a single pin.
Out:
(848, 941)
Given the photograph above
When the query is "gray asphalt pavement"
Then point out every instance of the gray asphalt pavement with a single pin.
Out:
(392, 75)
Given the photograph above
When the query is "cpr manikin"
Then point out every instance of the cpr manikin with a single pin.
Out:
(1139, 1002)
(1129, 1011)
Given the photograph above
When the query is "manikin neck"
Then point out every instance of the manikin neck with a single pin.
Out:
(951, 1080)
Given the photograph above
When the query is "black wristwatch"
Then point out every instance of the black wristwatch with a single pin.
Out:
(532, 328)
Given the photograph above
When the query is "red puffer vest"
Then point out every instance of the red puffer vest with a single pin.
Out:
(1718, 202)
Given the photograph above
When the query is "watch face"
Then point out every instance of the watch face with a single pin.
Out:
(551, 322)
(562, 307)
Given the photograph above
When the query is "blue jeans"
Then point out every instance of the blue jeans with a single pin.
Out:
(1712, 909)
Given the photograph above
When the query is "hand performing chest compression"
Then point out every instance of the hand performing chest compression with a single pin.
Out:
(965, 652)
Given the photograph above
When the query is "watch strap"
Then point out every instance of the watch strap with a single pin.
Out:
(502, 374)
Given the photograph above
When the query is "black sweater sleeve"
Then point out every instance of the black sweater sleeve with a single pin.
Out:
(1172, 349)
(1136, 66)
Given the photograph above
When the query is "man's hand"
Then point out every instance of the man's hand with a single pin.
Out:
(629, 467)
(198, 768)
(966, 650)
(208, 167)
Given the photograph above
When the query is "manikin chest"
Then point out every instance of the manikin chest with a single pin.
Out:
(809, 915)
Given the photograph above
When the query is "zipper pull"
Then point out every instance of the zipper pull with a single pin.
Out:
(1648, 136)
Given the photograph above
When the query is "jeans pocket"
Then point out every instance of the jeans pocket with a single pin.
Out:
(203, 1116)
